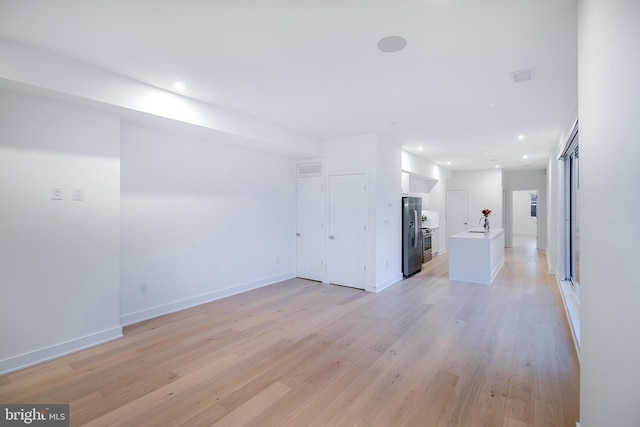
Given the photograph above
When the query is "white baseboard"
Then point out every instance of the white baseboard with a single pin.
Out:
(550, 269)
(387, 283)
(139, 316)
(53, 352)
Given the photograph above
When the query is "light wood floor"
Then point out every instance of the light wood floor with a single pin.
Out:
(425, 352)
(523, 241)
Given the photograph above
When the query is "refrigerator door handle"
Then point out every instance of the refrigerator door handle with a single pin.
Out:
(415, 228)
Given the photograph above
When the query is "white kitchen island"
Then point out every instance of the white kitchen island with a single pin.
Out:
(475, 256)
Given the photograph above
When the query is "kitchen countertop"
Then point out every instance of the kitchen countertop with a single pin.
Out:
(478, 233)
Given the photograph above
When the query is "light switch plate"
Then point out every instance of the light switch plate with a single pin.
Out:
(78, 194)
(56, 194)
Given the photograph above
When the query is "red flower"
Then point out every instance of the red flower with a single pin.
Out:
(486, 212)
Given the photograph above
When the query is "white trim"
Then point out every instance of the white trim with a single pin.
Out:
(387, 283)
(567, 145)
(549, 269)
(541, 219)
(572, 310)
(53, 352)
(139, 316)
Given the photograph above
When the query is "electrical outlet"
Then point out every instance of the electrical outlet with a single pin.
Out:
(56, 194)
(144, 288)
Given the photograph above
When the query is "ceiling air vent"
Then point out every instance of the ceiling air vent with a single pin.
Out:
(309, 169)
(523, 75)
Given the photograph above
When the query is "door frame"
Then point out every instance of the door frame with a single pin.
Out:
(508, 211)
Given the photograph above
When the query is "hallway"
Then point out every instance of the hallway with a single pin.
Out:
(524, 241)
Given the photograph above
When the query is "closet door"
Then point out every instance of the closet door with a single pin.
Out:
(346, 243)
(310, 228)
(457, 212)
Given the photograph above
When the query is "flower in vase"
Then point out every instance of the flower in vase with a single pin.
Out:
(486, 212)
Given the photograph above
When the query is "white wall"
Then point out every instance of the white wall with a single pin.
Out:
(609, 135)
(200, 220)
(59, 259)
(351, 153)
(484, 191)
(388, 214)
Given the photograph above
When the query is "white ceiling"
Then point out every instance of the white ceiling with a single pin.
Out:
(314, 66)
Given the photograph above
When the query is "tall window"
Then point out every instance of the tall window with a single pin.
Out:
(571, 160)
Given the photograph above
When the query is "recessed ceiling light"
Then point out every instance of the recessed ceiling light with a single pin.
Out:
(497, 166)
(489, 105)
(420, 148)
(520, 137)
(392, 44)
(179, 85)
(448, 163)
(525, 156)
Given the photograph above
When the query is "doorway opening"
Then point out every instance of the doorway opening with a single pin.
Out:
(524, 219)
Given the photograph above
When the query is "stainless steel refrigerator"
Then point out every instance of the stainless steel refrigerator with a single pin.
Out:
(411, 235)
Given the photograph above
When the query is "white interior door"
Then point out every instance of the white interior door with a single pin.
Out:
(347, 230)
(457, 212)
(309, 228)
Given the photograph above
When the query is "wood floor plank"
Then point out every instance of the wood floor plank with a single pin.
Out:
(424, 352)
(429, 407)
(510, 422)
(255, 406)
(520, 397)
